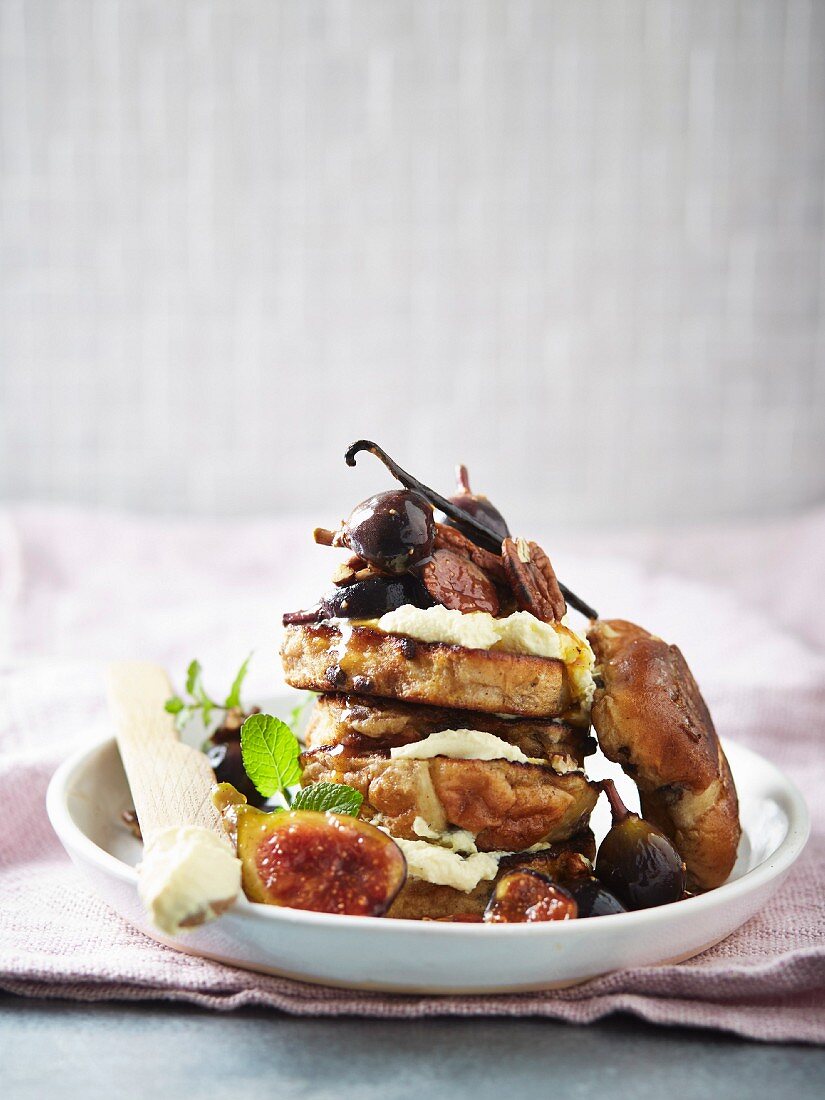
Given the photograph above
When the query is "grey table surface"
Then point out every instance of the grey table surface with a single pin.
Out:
(54, 1049)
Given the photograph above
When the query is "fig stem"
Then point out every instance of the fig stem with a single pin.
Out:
(310, 616)
(479, 532)
(618, 809)
(462, 476)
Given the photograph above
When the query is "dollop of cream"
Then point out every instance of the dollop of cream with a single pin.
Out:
(460, 745)
(520, 632)
(188, 876)
(449, 858)
(445, 867)
(457, 840)
(474, 630)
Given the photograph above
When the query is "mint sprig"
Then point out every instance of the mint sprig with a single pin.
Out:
(270, 752)
(199, 699)
(196, 690)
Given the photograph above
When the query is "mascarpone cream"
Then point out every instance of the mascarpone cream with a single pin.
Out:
(461, 745)
(520, 632)
(188, 876)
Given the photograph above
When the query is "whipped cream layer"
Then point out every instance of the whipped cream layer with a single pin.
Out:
(461, 744)
(445, 867)
(520, 632)
(449, 858)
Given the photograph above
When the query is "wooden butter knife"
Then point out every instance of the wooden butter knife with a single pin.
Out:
(189, 873)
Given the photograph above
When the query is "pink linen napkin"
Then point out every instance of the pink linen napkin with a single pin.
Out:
(76, 590)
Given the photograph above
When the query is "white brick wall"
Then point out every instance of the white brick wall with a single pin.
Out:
(577, 245)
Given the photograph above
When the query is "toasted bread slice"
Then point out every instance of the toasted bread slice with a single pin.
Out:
(650, 717)
(317, 657)
(420, 900)
(507, 806)
(365, 723)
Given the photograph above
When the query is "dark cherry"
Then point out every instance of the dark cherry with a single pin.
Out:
(636, 861)
(592, 898)
(374, 597)
(393, 531)
(224, 754)
(477, 505)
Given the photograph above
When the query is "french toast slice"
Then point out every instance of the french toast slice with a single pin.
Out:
(318, 657)
(506, 805)
(365, 723)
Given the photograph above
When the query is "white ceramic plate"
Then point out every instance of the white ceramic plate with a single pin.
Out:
(89, 792)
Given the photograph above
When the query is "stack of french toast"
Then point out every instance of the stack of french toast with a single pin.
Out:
(453, 693)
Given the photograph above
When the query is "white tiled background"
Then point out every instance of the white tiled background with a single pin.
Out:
(577, 245)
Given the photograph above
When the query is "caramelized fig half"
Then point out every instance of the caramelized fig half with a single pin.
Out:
(525, 896)
(329, 863)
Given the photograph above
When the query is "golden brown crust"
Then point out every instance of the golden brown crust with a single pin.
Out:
(386, 723)
(419, 900)
(650, 717)
(507, 806)
(397, 667)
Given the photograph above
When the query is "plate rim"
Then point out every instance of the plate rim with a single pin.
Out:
(78, 843)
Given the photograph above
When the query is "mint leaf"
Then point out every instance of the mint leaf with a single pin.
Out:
(174, 705)
(333, 798)
(193, 677)
(233, 699)
(270, 751)
(194, 685)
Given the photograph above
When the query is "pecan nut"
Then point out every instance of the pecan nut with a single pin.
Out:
(349, 572)
(448, 538)
(533, 580)
(458, 583)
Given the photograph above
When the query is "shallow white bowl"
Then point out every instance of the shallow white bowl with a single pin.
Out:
(89, 791)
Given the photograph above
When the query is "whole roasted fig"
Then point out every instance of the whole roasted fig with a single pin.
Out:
(477, 505)
(324, 862)
(592, 898)
(636, 861)
(525, 896)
